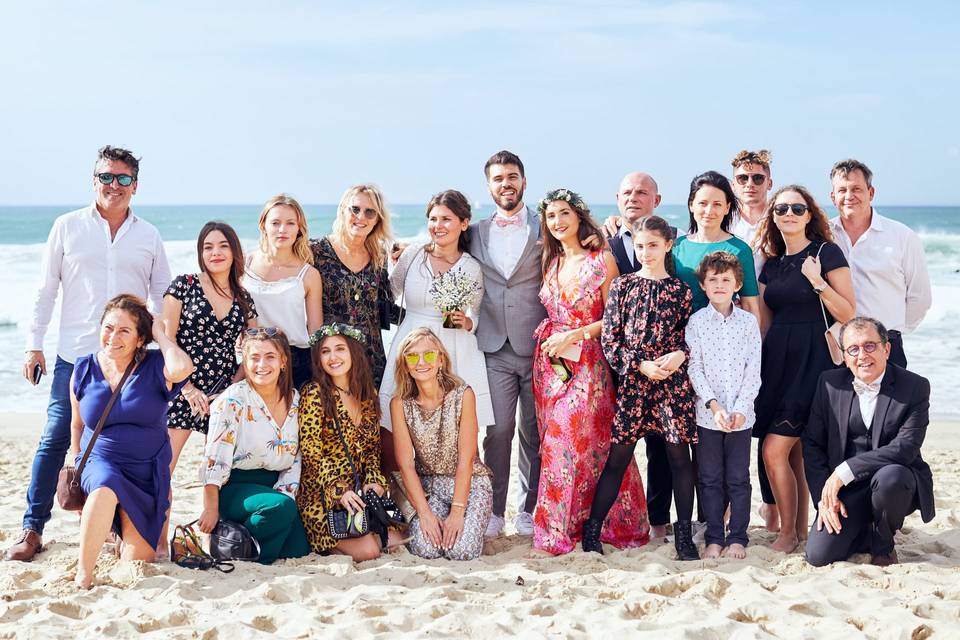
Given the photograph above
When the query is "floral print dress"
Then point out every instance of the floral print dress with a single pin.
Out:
(574, 420)
(644, 320)
(210, 343)
(355, 299)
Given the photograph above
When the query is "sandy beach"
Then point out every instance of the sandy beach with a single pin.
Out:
(639, 591)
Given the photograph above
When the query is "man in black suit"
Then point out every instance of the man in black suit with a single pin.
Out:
(861, 450)
(636, 199)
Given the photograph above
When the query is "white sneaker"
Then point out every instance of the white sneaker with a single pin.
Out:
(524, 523)
(495, 526)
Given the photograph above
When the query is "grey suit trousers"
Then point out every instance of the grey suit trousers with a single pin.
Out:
(511, 379)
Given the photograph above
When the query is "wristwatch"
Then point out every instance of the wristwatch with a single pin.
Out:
(821, 288)
(707, 403)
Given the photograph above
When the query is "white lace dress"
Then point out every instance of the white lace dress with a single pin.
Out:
(410, 282)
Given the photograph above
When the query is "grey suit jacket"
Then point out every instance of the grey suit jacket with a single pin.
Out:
(511, 308)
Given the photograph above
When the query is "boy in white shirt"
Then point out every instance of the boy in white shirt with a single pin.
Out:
(724, 369)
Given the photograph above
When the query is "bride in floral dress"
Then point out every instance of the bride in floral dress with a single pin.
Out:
(575, 398)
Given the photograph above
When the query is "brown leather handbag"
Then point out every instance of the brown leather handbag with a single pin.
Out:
(69, 493)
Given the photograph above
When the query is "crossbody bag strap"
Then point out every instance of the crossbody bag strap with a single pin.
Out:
(356, 475)
(103, 416)
(823, 309)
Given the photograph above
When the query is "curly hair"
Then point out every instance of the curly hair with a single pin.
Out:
(761, 158)
(770, 240)
(719, 262)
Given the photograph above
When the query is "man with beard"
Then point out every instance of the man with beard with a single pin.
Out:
(509, 248)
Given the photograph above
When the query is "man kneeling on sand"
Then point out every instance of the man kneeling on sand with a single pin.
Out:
(861, 450)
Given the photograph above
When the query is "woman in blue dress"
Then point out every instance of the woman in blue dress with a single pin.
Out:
(127, 476)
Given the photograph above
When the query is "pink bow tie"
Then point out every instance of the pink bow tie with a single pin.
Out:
(504, 221)
(862, 387)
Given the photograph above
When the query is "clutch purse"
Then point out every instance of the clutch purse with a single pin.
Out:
(344, 524)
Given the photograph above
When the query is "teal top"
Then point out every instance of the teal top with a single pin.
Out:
(687, 255)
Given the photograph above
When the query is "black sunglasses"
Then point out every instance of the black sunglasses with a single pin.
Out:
(123, 179)
(369, 214)
(795, 209)
(758, 178)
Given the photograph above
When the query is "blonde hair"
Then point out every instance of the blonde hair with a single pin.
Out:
(406, 386)
(301, 246)
(378, 240)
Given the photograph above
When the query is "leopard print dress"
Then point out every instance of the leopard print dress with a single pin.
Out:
(326, 473)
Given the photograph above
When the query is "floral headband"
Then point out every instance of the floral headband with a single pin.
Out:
(337, 329)
(571, 197)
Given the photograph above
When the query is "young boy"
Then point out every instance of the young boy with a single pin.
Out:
(724, 369)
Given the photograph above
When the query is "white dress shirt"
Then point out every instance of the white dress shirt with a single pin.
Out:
(627, 236)
(91, 269)
(507, 243)
(868, 406)
(244, 435)
(724, 362)
(889, 272)
(748, 233)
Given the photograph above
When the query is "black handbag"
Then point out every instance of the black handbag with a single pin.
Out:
(232, 541)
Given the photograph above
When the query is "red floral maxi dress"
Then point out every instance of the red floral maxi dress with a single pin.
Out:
(574, 419)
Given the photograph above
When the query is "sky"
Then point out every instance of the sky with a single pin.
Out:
(232, 102)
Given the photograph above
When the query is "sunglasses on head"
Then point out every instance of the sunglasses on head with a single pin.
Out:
(795, 209)
(123, 179)
(757, 178)
(413, 359)
(868, 347)
(368, 213)
(259, 332)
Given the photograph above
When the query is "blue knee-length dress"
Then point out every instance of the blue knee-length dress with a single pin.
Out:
(132, 454)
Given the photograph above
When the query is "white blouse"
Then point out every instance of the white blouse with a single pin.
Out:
(243, 435)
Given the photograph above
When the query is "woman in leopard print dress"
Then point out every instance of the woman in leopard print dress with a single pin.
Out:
(339, 401)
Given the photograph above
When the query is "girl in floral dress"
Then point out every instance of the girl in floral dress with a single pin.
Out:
(575, 396)
(643, 339)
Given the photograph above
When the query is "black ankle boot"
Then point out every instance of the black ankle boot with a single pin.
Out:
(683, 541)
(591, 536)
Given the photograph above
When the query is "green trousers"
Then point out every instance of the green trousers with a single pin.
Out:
(272, 518)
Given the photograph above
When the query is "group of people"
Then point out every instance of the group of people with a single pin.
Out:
(594, 337)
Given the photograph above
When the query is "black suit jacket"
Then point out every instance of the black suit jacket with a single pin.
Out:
(898, 429)
(620, 255)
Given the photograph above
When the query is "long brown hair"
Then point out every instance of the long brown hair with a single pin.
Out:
(586, 228)
(771, 242)
(235, 279)
(359, 378)
(406, 386)
(279, 340)
(659, 226)
(377, 240)
(301, 245)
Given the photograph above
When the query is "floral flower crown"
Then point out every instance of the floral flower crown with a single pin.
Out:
(571, 197)
(337, 329)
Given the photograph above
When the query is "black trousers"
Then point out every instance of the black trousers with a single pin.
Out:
(723, 467)
(875, 512)
(659, 481)
(897, 355)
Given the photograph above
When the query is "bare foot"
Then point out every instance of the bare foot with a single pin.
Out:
(785, 543)
(658, 531)
(712, 551)
(802, 533)
(726, 516)
(83, 580)
(162, 554)
(771, 517)
(735, 551)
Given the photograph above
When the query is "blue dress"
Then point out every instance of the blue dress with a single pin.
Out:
(132, 454)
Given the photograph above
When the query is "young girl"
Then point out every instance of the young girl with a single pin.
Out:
(643, 340)
(284, 283)
(339, 436)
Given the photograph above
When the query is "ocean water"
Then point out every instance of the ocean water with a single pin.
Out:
(933, 349)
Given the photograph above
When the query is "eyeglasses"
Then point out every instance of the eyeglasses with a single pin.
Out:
(868, 347)
(795, 209)
(260, 332)
(757, 178)
(123, 179)
(413, 359)
(368, 213)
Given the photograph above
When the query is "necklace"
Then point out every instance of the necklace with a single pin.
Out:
(344, 391)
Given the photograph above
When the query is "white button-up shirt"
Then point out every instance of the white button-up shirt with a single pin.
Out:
(724, 362)
(507, 243)
(868, 406)
(81, 259)
(748, 233)
(889, 272)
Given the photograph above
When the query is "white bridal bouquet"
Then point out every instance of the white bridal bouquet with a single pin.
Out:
(454, 291)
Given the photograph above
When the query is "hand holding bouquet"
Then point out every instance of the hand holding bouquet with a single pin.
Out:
(453, 291)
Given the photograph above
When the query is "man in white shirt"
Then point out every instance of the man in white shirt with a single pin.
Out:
(92, 254)
(509, 248)
(886, 257)
(861, 450)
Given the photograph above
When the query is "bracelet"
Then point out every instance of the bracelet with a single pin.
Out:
(459, 504)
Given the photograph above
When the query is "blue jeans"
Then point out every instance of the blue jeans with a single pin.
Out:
(50, 452)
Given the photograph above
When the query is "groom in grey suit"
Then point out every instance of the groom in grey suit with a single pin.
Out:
(509, 248)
